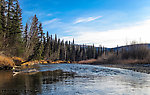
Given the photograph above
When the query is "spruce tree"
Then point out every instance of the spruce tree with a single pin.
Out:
(47, 51)
(84, 52)
(39, 47)
(55, 44)
(2, 17)
(26, 35)
(41, 34)
(9, 18)
(58, 49)
(73, 51)
(51, 44)
(14, 28)
(66, 51)
(2, 22)
(62, 51)
(17, 23)
(33, 37)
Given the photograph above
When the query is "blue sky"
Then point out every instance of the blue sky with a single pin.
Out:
(100, 22)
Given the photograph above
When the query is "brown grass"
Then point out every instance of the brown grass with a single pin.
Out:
(43, 62)
(59, 61)
(18, 61)
(18, 58)
(30, 63)
(6, 61)
(87, 61)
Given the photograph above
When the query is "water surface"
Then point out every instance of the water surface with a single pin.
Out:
(75, 79)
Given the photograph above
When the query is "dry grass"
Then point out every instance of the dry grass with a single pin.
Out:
(18, 58)
(43, 62)
(59, 61)
(18, 61)
(30, 63)
(6, 62)
(87, 61)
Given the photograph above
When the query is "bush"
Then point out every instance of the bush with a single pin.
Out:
(135, 52)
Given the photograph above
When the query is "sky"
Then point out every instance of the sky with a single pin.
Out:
(100, 22)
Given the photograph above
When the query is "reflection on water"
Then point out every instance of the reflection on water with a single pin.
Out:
(63, 79)
(30, 84)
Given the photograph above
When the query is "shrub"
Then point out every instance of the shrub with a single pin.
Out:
(135, 52)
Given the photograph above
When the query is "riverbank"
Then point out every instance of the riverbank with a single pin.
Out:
(130, 64)
(143, 68)
(6, 63)
(9, 63)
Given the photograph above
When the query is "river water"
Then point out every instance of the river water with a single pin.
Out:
(74, 79)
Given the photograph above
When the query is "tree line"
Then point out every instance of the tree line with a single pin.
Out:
(32, 43)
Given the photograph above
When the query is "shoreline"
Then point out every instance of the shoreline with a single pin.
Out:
(8, 63)
(143, 68)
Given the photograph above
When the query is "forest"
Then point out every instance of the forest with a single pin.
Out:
(32, 43)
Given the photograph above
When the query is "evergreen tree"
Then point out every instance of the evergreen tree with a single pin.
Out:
(9, 18)
(77, 53)
(47, 51)
(55, 44)
(14, 28)
(58, 49)
(39, 47)
(2, 22)
(41, 34)
(51, 44)
(62, 51)
(72, 51)
(33, 37)
(26, 35)
(66, 51)
(2, 17)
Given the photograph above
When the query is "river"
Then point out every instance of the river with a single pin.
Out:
(74, 79)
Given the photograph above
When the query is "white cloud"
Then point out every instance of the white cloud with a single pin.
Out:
(111, 38)
(50, 21)
(80, 20)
